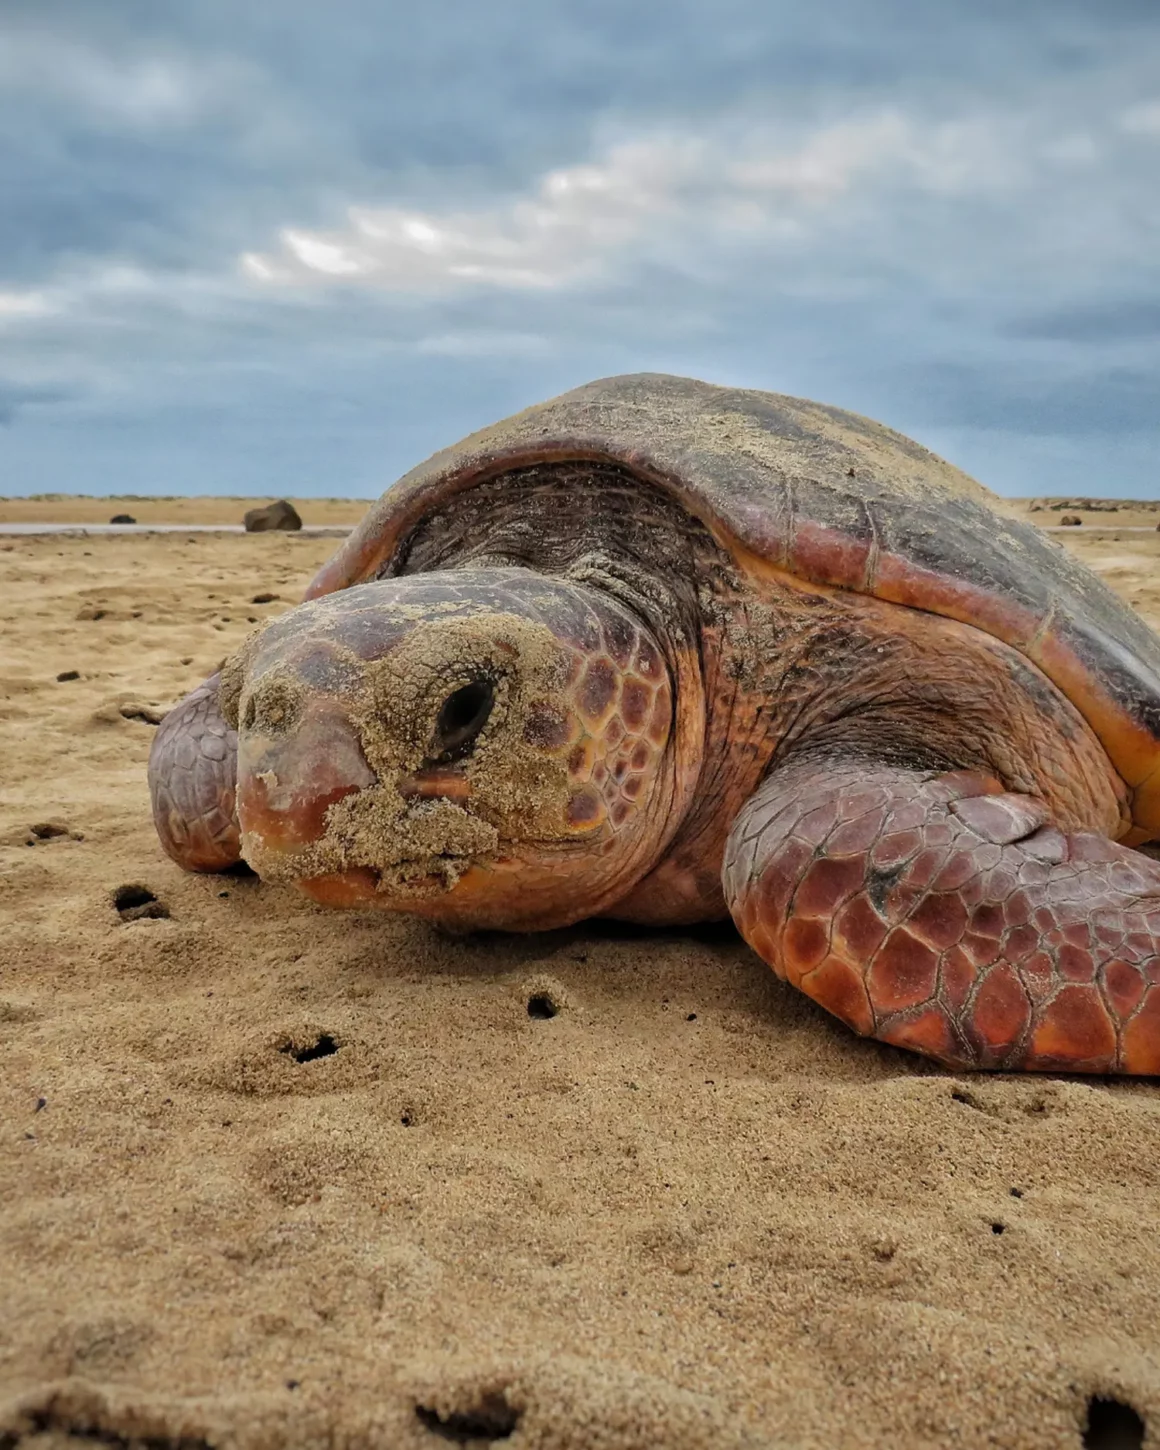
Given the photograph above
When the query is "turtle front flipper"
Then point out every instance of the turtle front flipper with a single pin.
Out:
(192, 778)
(940, 913)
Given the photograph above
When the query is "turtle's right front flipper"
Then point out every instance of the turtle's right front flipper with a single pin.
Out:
(942, 913)
(192, 776)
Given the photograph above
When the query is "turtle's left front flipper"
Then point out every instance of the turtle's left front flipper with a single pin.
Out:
(192, 777)
(940, 913)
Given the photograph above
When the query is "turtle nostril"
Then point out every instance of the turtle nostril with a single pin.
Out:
(462, 717)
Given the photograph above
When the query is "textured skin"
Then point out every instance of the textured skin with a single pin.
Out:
(564, 801)
(939, 913)
(192, 779)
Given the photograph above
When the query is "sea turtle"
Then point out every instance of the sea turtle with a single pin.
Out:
(665, 651)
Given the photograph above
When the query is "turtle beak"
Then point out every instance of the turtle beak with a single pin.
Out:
(288, 782)
(436, 782)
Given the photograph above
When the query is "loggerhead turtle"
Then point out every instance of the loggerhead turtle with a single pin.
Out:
(664, 651)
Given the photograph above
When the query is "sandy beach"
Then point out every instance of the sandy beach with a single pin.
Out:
(275, 1177)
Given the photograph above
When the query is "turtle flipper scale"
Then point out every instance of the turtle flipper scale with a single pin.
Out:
(940, 913)
(192, 779)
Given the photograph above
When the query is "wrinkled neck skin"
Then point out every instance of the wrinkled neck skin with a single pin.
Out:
(565, 799)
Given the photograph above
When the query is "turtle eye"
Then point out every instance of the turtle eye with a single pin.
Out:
(461, 718)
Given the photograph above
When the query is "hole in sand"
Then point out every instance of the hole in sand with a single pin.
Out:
(491, 1419)
(46, 830)
(541, 1007)
(323, 1046)
(998, 1228)
(1112, 1425)
(135, 902)
(66, 675)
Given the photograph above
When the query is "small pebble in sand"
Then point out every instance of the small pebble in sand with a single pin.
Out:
(265, 597)
(68, 675)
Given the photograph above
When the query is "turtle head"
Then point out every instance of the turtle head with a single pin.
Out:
(482, 747)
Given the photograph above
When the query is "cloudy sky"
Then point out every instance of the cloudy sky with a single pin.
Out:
(291, 248)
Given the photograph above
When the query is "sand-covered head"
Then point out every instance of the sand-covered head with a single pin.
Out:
(480, 747)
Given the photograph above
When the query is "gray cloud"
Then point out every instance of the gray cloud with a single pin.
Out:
(1094, 322)
(945, 216)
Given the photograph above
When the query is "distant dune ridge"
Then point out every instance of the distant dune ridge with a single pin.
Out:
(272, 1177)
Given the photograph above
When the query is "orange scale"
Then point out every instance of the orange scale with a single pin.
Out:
(859, 928)
(1074, 1028)
(1124, 985)
(924, 867)
(805, 943)
(586, 810)
(987, 920)
(1075, 964)
(957, 974)
(1001, 1013)
(775, 885)
(1038, 975)
(597, 690)
(903, 972)
(984, 950)
(827, 884)
(940, 918)
(1020, 942)
(835, 986)
(1141, 1038)
(929, 1033)
(635, 699)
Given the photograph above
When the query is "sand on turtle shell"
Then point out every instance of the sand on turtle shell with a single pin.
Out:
(273, 1176)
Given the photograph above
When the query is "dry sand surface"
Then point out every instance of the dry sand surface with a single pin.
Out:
(275, 1177)
(61, 508)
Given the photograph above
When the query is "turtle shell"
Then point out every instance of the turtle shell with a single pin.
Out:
(796, 487)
